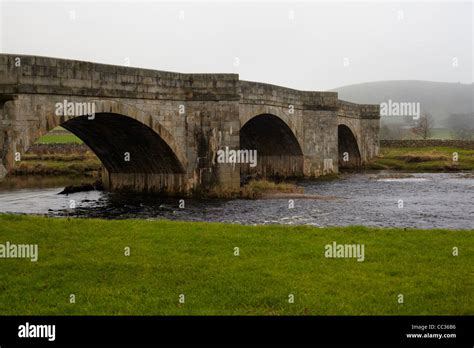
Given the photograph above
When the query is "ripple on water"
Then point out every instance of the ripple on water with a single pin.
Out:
(429, 200)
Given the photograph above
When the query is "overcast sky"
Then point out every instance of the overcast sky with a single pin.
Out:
(302, 45)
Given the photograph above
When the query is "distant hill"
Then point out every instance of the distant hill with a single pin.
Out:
(440, 99)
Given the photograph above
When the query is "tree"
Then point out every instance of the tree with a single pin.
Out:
(424, 126)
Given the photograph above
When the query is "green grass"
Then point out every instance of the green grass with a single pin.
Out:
(87, 166)
(59, 139)
(441, 133)
(86, 257)
(424, 159)
(77, 163)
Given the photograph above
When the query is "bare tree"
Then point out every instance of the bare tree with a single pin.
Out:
(424, 126)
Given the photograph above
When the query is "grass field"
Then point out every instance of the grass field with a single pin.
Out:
(423, 159)
(441, 133)
(86, 258)
(59, 139)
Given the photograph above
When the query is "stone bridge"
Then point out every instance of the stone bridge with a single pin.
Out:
(165, 132)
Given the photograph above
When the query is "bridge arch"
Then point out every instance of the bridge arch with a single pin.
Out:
(112, 107)
(279, 153)
(125, 145)
(348, 147)
(138, 153)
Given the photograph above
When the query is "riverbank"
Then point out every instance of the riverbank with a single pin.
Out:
(85, 257)
(423, 159)
(58, 159)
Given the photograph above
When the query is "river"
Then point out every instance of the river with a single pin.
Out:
(430, 200)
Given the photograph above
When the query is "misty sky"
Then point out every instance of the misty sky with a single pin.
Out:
(379, 41)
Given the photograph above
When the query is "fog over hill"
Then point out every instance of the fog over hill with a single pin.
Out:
(440, 99)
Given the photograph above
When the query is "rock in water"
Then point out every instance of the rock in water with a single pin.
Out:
(82, 188)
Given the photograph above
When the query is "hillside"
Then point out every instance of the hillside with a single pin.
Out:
(440, 99)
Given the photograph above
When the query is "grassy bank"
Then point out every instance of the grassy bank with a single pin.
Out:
(77, 165)
(425, 159)
(86, 258)
(59, 136)
(58, 160)
(59, 139)
(58, 153)
(80, 167)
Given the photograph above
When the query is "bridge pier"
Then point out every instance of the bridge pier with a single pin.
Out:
(168, 184)
(20, 126)
(320, 142)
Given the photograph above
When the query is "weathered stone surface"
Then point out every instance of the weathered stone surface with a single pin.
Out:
(171, 125)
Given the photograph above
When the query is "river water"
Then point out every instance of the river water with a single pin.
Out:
(441, 200)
